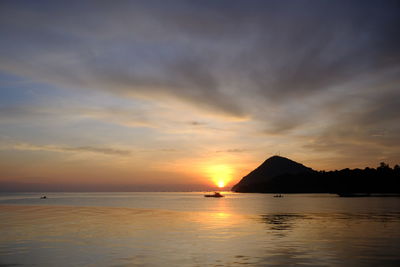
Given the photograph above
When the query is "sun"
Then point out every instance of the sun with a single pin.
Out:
(221, 184)
(220, 174)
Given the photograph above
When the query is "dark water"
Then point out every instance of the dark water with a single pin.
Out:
(186, 229)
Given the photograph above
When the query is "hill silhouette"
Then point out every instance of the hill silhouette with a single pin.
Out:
(267, 171)
(282, 175)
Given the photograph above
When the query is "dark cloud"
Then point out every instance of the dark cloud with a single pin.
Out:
(197, 123)
(322, 46)
(285, 64)
(369, 130)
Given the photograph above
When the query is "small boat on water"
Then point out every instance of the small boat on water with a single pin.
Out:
(216, 194)
(43, 197)
(278, 195)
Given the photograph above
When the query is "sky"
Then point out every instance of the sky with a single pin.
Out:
(185, 95)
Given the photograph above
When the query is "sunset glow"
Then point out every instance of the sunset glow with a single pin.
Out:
(220, 175)
(140, 96)
(199, 133)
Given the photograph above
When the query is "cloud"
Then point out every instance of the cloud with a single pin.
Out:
(63, 53)
(126, 117)
(325, 70)
(168, 150)
(366, 126)
(282, 49)
(54, 148)
(232, 150)
(134, 117)
(197, 123)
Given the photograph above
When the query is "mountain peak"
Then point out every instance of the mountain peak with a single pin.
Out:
(269, 169)
(277, 165)
(277, 158)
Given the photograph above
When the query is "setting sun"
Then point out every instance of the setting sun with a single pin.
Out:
(220, 174)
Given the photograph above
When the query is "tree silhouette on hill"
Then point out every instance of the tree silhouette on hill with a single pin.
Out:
(382, 179)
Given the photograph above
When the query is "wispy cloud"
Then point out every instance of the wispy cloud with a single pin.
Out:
(55, 148)
(262, 54)
(326, 73)
(232, 150)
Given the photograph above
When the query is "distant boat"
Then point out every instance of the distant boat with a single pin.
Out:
(216, 194)
(43, 197)
(279, 195)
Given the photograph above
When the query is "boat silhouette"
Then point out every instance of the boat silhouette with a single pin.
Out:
(216, 194)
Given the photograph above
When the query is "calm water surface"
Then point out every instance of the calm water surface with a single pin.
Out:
(186, 229)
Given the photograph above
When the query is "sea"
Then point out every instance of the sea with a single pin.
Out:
(187, 229)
